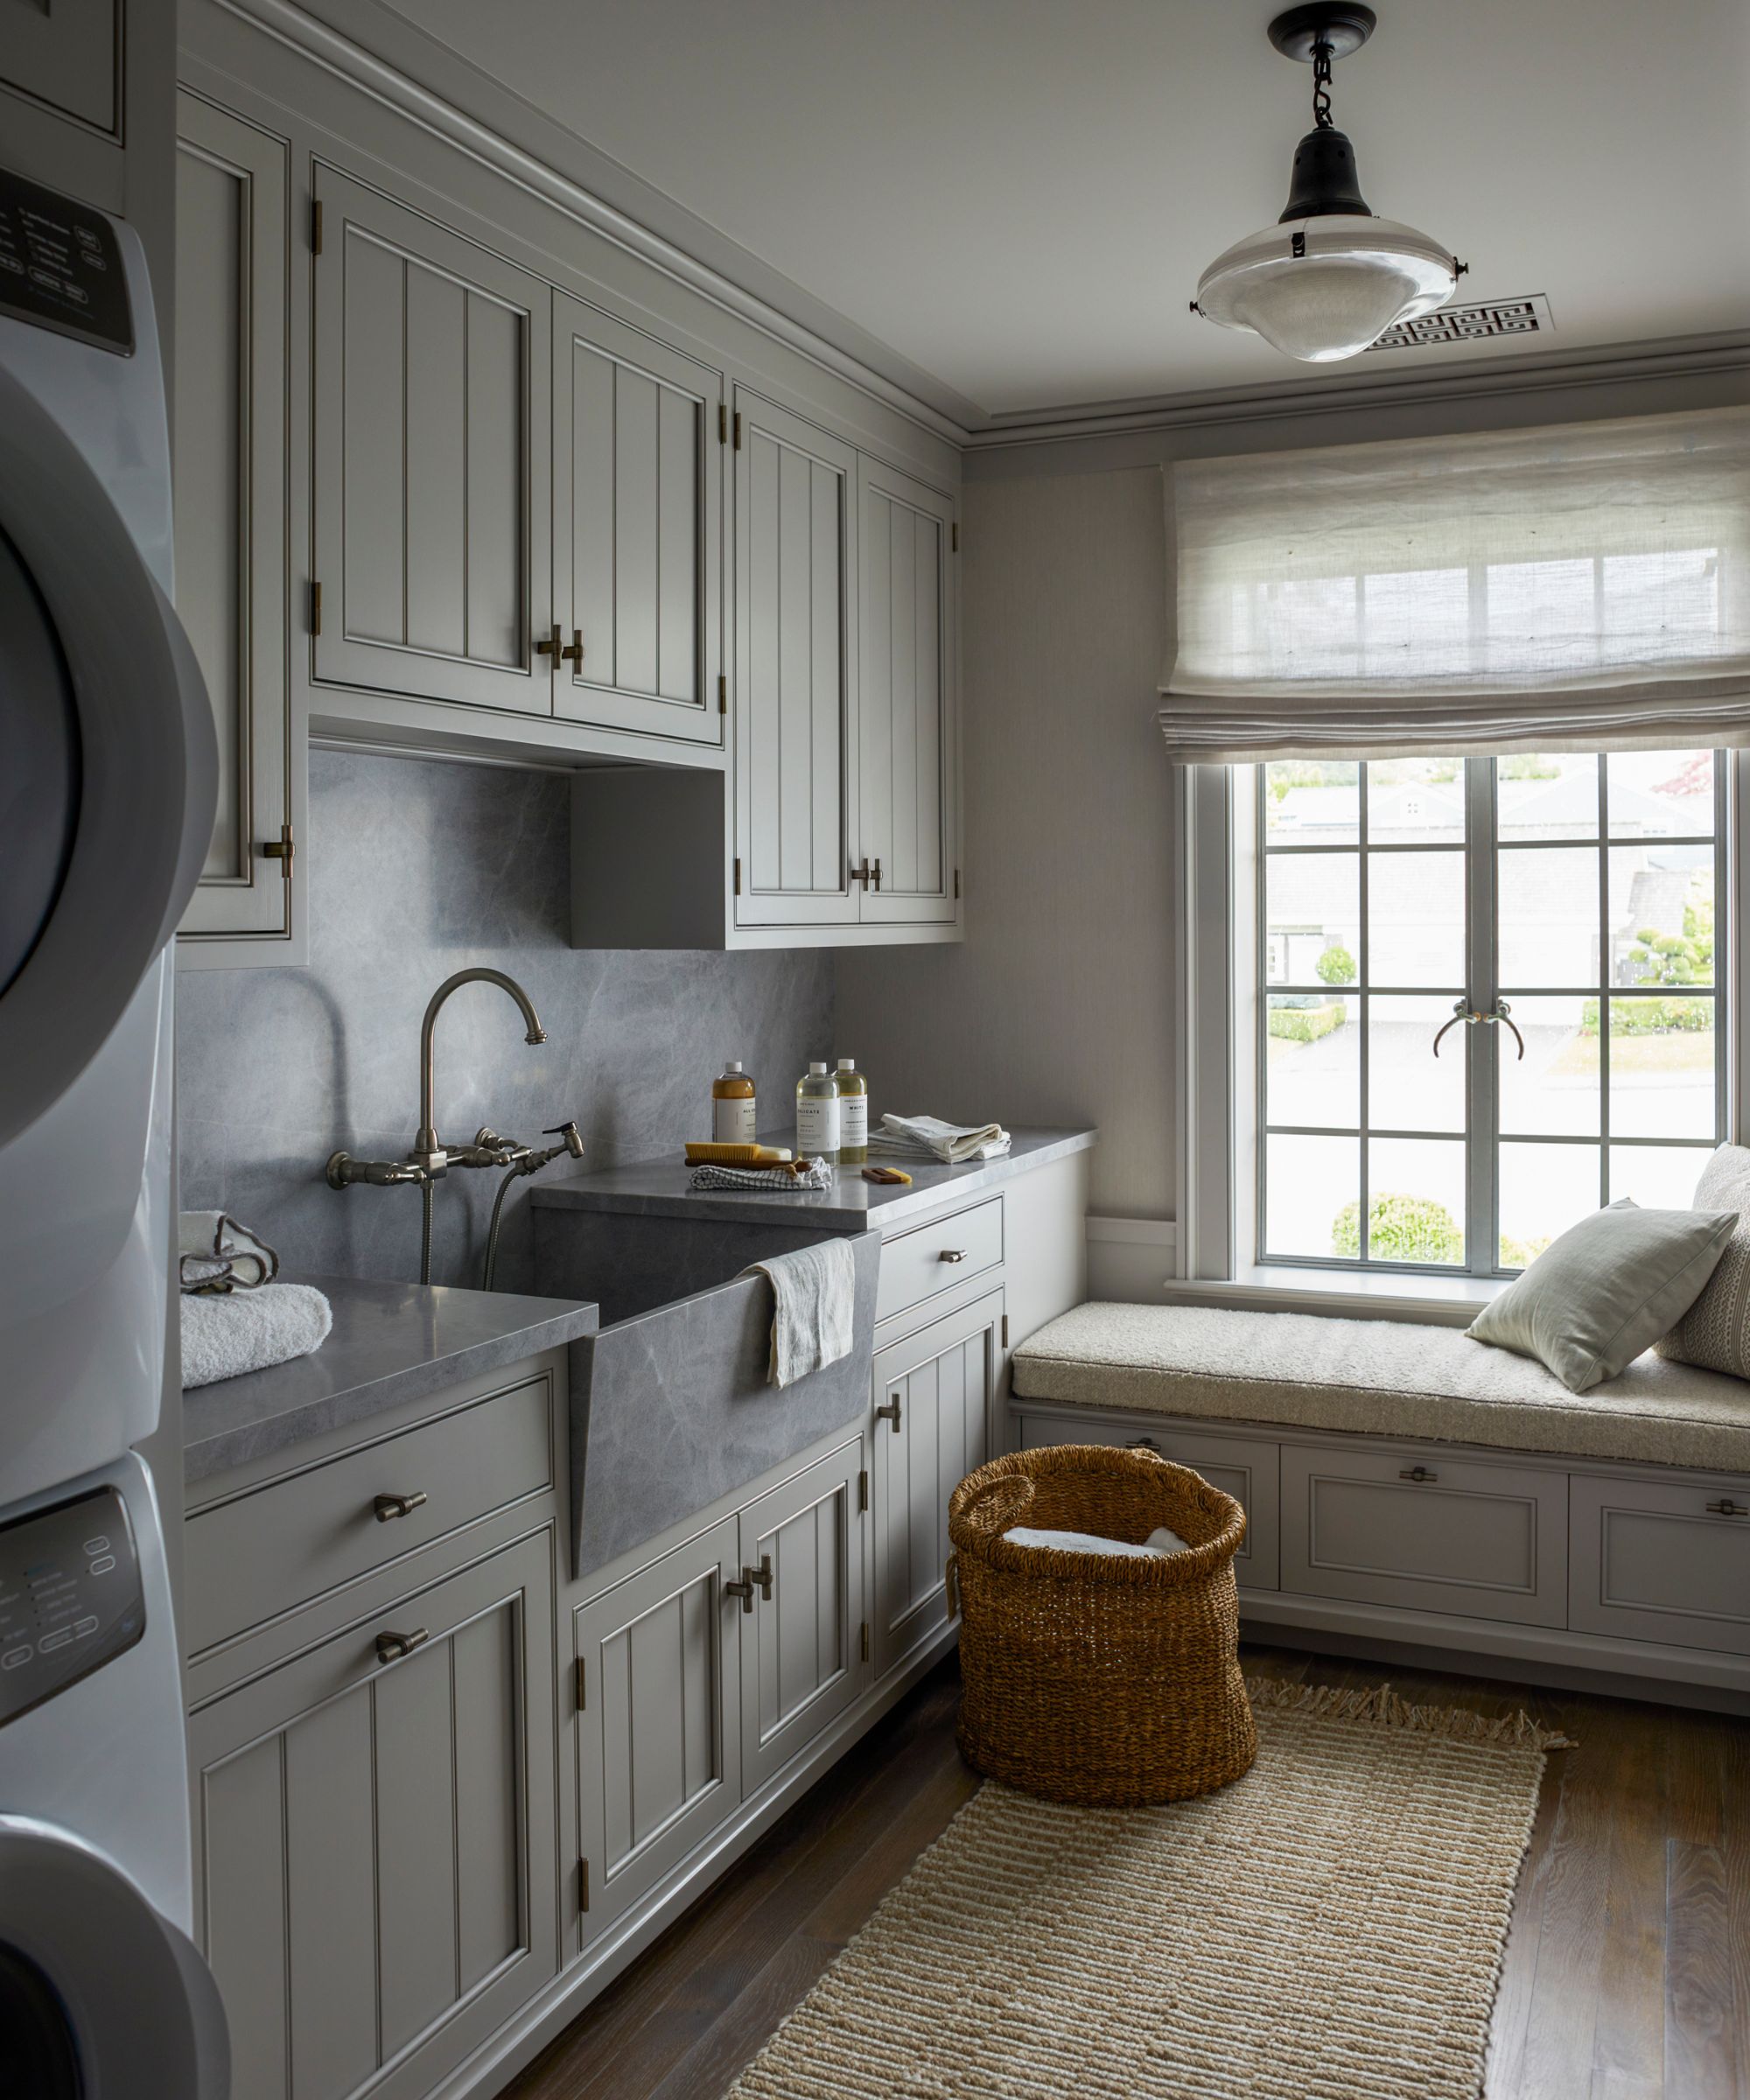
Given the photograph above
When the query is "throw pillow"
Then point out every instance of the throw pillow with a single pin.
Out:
(1715, 1332)
(1608, 1289)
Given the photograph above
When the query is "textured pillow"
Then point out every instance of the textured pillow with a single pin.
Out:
(1608, 1289)
(1715, 1332)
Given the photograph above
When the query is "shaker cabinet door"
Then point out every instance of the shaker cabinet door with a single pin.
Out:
(932, 1428)
(906, 742)
(637, 530)
(229, 466)
(795, 687)
(378, 1883)
(64, 55)
(432, 460)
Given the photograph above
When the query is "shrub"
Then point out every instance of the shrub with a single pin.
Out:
(1400, 1228)
(1336, 966)
(1306, 1023)
(1520, 1254)
(1650, 1017)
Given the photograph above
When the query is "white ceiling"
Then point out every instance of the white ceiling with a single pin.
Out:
(1018, 196)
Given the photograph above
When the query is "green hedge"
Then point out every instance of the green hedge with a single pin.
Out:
(1650, 1017)
(1306, 1023)
(1400, 1228)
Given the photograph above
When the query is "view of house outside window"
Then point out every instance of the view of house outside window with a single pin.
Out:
(1599, 878)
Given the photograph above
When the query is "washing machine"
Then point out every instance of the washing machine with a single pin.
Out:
(107, 772)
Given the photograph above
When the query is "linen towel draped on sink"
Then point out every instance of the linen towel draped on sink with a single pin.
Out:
(815, 1293)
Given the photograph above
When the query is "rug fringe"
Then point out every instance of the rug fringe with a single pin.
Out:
(1381, 1706)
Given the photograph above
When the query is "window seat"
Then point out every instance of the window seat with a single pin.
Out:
(1379, 1377)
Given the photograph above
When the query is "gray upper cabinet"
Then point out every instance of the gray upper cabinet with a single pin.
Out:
(380, 1855)
(231, 378)
(65, 54)
(796, 645)
(905, 701)
(932, 1400)
(432, 515)
(637, 530)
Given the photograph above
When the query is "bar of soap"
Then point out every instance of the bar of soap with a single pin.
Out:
(701, 1154)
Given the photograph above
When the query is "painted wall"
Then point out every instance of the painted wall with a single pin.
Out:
(418, 868)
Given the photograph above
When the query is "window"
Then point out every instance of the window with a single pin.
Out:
(1573, 895)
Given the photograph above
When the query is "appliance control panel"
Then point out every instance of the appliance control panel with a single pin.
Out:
(61, 266)
(70, 1597)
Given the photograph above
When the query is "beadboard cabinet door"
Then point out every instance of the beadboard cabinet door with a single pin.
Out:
(379, 1890)
(801, 1641)
(933, 1399)
(659, 1739)
(637, 530)
(232, 239)
(433, 463)
(907, 742)
(795, 654)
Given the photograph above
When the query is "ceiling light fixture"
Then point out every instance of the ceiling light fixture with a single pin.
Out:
(1328, 279)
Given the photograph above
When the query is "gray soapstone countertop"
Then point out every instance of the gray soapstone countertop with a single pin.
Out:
(659, 1187)
(390, 1343)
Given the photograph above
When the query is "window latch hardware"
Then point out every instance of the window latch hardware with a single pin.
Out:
(1479, 1016)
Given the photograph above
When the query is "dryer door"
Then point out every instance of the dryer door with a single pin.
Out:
(101, 1999)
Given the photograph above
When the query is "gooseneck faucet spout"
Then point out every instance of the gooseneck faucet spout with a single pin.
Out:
(427, 1152)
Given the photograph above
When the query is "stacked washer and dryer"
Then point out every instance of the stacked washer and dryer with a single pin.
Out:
(106, 795)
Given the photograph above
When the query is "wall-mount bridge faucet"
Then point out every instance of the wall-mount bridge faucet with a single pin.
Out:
(430, 1159)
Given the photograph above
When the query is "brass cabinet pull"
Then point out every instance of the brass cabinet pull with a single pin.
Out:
(575, 654)
(952, 1254)
(860, 872)
(388, 1506)
(1419, 1473)
(890, 1413)
(1726, 1507)
(752, 1578)
(392, 1647)
(875, 871)
(549, 644)
(1144, 1443)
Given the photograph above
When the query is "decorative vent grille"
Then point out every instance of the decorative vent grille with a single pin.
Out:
(1471, 323)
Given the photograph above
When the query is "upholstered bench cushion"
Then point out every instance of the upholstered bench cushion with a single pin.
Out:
(1383, 1377)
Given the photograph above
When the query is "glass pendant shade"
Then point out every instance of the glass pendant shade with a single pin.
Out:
(1352, 278)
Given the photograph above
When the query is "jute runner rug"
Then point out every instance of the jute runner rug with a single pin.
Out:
(1330, 1926)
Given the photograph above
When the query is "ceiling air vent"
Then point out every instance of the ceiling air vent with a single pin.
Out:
(1472, 324)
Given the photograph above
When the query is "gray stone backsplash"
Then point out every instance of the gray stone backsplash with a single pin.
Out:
(420, 867)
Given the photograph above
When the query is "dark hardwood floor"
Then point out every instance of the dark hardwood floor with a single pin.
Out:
(1627, 1972)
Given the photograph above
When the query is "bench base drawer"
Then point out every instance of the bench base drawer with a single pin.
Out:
(1653, 1561)
(1421, 1528)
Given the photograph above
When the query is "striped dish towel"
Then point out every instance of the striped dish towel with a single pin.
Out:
(772, 1180)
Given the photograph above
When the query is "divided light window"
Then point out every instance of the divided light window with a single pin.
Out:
(1578, 892)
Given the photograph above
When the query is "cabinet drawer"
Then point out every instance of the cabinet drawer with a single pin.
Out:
(1420, 1529)
(278, 1546)
(1653, 1561)
(916, 1265)
(1243, 1466)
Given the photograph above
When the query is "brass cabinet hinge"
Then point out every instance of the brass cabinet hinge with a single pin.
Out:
(316, 225)
(1005, 1330)
(954, 537)
(583, 1686)
(956, 882)
(737, 430)
(315, 607)
(866, 1641)
(722, 693)
(863, 1489)
(723, 423)
(738, 875)
(583, 1885)
(279, 849)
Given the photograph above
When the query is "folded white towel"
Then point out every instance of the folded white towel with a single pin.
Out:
(224, 1334)
(814, 1300)
(1161, 1541)
(213, 1247)
(928, 1137)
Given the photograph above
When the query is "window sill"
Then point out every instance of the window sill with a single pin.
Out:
(1266, 1287)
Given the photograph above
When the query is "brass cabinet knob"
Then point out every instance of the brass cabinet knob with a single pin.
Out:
(890, 1413)
(548, 645)
(952, 1254)
(753, 1579)
(1419, 1473)
(1727, 1507)
(387, 1507)
(392, 1647)
(574, 654)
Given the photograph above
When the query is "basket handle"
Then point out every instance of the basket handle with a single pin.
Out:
(951, 1577)
(1013, 1492)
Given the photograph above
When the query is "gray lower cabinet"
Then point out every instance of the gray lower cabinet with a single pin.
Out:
(1654, 1561)
(658, 1730)
(932, 1398)
(379, 1891)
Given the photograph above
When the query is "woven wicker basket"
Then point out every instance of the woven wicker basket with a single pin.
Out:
(1095, 1678)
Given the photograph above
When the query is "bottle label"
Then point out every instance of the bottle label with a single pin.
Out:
(817, 1125)
(853, 1120)
(733, 1120)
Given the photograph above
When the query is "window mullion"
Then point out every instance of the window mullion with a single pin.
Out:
(1482, 1180)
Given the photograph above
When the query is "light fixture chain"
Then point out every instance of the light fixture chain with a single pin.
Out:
(1321, 86)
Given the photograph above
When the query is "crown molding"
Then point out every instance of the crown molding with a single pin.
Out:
(782, 309)
(1609, 364)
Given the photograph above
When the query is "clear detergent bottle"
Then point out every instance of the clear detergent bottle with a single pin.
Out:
(853, 1114)
(817, 1114)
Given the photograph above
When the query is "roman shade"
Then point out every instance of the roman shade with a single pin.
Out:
(1584, 586)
